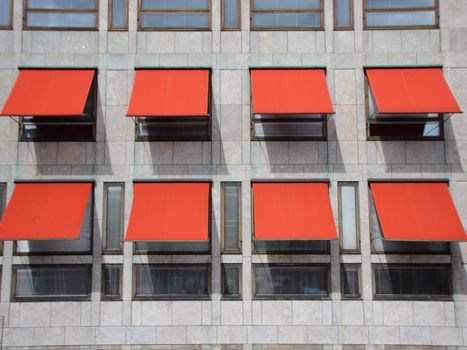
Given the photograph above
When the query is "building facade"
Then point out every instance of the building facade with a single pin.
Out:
(238, 285)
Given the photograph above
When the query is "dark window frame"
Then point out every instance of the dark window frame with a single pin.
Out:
(291, 296)
(173, 297)
(240, 240)
(104, 296)
(10, 26)
(240, 281)
(3, 198)
(174, 29)
(239, 18)
(412, 296)
(359, 276)
(16, 267)
(398, 121)
(66, 122)
(16, 251)
(110, 26)
(27, 10)
(253, 12)
(354, 184)
(106, 250)
(403, 9)
(351, 27)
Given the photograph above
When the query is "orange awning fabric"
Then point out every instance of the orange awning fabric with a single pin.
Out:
(170, 93)
(290, 91)
(411, 211)
(169, 211)
(49, 92)
(45, 211)
(411, 91)
(290, 211)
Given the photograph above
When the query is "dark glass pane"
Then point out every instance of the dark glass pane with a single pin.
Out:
(351, 283)
(405, 130)
(112, 276)
(231, 216)
(175, 20)
(311, 247)
(289, 130)
(175, 5)
(287, 5)
(168, 247)
(231, 14)
(401, 19)
(119, 14)
(5, 13)
(291, 280)
(343, 13)
(287, 20)
(114, 217)
(391, 4)
(182, 281)
(2, 199)
(231, 280)
(63, 4)
(166, 130)
(61, 20)
(53, 281)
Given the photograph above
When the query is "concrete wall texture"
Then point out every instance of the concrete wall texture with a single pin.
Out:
(333, 323)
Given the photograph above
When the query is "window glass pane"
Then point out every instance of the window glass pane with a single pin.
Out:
(288, 130)
(289, 20)
(175, 20)
(350, 281)
(343, 13)
(398, 19)
(112, 282)
(348, 197)
(287, 4)
(2, 199)
(175, 5)
(230, 13)
(53, 281)
(312, 247)
(63, 4)
(119, 14)
(231, 216)
(172, 281)
(407, 280)
(114, 216)
(5, 12)
(291, 280)
(231, 280)
(80, 245)
(167, 130)
(61, 20)
(392, 4)
(167, 247)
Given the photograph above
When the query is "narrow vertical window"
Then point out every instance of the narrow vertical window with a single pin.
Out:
(231, 14)
(343, 14)
(118, 14)
(350, 281)
(112, 282)
(231, 201)
(114, 214)
(348, 216)
(2, 198)
(231, 281)
(6, 10)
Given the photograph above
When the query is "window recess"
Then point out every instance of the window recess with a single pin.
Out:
(231, 281)
(343, 14)
(407, 103)
(231, 14)
(61, 14)
(287, 15)
(118, 15)
(350, 281)
(401, 14)
(112, 281)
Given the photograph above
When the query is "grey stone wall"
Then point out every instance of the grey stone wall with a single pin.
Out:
(346, 156)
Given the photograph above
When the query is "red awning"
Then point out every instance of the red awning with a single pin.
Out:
(170, 93)
(45, 211)
(169, 211)
(417, 211)
(290, 91)
(49, 92)
(289, 211)
(411, 91)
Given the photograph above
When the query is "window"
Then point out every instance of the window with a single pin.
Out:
(231, 218)
(173, 129)
(60, 14)
(380, 245)
(290, 281)
(231, 14)
(172, 247)
(118, 15)
(2, 198)
(52, 282)
(6, 14)
(112, 282)
(289, 127)
(349, 216)
(291, 246)
(343, 14)
(287, 15)
(174, 14)
(114, 202)
(231, 281)
(412, 281)
(82, 245)
(400, 14)
(171, 281)
(350, 281)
